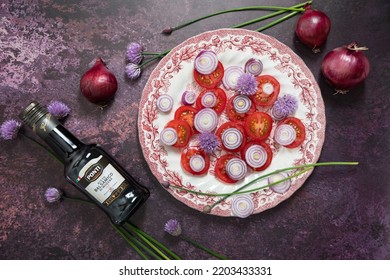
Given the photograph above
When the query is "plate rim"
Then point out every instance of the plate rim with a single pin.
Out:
(295, 59)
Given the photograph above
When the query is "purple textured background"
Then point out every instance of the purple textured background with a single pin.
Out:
(339, 213)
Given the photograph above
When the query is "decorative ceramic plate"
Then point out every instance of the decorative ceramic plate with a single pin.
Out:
(174, 75)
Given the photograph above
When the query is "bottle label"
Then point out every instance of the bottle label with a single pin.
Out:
(102, 180)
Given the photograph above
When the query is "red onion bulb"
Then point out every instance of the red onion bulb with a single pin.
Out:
(345, 67)
(98, 84)
(312, 28)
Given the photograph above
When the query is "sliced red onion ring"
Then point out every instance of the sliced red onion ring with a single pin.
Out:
(206, 120)
(232, 138)
(236, 169)
(256, 156)
(278, 114)
(281, 187)
(165, 103)
(197, 163)
(188, 97)
(267, 88)
(285, 134)
(168, 136)
(206, 62)
(231, 75)
(242, 205)
(209, 99)
(254, 66)
(242, 104)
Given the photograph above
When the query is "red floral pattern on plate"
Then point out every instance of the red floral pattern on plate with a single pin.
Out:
(173, 75)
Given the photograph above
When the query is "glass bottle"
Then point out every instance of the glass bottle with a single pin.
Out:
(88, 167)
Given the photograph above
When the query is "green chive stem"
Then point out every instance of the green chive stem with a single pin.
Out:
(272, 8)
(154, 58)
(146, 240)
(238, 191)
(140, 244)
(151, 53)
(200, 246)
(277, 21)
(270, 15)
(267, 175)
(279, 10)
(130, 243)
(157, 243)
(135, 229)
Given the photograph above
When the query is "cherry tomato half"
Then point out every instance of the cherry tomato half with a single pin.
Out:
(212, 80)
(220, 168)
(299, 130)
(267, 149)
(186, 113)
(221, 100)
(233, 115)
(186, 157)
(227, 125)
(183, 130)
(266, 83)
(258, 126)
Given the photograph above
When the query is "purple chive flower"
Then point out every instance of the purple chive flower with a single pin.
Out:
(165, 184)
(9, 129)
(58, 109)
(208, 142)
(133, 71)
(284, 106)
(173, 227)
(247, 84)
(53, 195)
(134, 53)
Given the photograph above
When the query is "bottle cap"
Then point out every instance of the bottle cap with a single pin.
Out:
(32, 114)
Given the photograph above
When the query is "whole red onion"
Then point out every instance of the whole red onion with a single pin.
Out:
(98, 84)
(345, 67)
(312, 28)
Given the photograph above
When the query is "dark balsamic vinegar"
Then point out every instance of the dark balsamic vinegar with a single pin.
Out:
(88, 167)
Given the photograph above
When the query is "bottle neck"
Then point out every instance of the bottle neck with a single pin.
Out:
(61, 141)
(58, 138)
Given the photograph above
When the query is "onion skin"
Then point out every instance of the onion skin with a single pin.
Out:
(345, 67)
(98, 85)
(312, 28)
